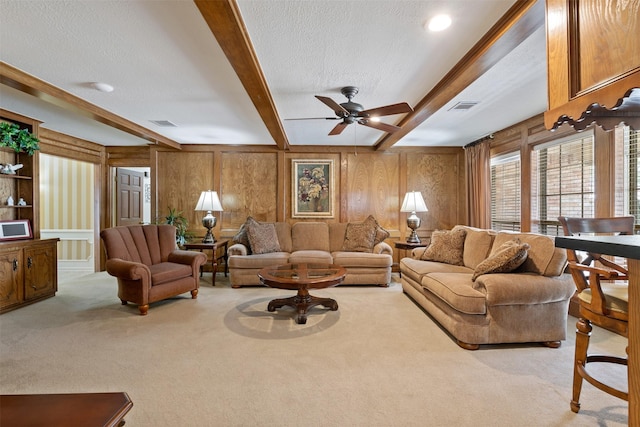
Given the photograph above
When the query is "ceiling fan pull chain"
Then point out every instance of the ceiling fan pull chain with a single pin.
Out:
(355, 141)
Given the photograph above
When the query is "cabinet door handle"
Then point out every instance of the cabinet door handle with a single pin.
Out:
(15, 264)
(29, 262)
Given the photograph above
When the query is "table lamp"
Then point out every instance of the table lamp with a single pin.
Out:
(413, 202)
(209, 201)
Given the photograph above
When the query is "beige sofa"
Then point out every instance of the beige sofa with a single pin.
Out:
(527, 305)
(317, 242)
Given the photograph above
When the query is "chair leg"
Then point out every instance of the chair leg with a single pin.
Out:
(194, 293)
(583, 334)
(143, 309)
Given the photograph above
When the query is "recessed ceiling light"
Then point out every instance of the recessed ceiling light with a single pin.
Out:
(102, 87)
(439, 23)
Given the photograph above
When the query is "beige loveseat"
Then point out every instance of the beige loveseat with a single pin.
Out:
(528, 304)
(315, 242)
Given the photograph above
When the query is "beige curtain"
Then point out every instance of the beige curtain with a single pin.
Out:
(477, 158)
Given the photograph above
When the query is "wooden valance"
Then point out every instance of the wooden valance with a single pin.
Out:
(624, 110)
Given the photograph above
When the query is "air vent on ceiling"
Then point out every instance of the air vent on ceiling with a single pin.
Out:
(163, 123)
(463, 105)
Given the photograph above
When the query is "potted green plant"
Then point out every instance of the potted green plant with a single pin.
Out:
(181, 224)
(19, 140)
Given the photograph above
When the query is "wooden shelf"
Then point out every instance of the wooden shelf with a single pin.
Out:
(4, 175)
(17, 207)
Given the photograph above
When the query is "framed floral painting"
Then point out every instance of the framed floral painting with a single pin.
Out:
(312, 188)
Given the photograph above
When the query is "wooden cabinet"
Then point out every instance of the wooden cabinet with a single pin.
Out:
(593, 53)
(28, 272)
(28, 268)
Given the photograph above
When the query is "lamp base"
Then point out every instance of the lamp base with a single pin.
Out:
(208, 238)
(209, 221)
(413, 222)
(413, 237)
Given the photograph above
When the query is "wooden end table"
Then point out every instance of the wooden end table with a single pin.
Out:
(218, 252)
(399, 244)
(302, 277)
(62, 410)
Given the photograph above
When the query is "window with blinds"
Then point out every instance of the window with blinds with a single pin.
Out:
(505, 192)
(562, 182)
(627, 175)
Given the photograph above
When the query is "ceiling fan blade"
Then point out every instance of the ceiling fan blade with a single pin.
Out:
(379, 125)
(337, 108)
(316, 118)
(387, 110)
(338, 129)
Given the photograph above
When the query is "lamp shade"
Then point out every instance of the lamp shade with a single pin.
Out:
(413, 202)
(209, 201)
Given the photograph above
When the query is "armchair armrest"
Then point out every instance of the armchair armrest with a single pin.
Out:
(237, 249)
(128, 270)
(194, 259)
(605, 273)
(383, 248)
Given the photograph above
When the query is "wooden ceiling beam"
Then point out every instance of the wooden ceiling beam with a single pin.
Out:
(18, 79)
(225, 21)
(515, 26)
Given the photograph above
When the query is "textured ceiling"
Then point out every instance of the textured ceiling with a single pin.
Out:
(165, 64)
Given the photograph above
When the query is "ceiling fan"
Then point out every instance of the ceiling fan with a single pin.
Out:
(351, 112)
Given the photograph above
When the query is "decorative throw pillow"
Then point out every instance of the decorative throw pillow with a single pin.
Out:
(359, 238)
(241, 236)
(381, 233)
(263, 238)
(446, 246)
(509, 256)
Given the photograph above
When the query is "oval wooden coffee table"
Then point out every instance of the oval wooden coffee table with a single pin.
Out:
(302, 277)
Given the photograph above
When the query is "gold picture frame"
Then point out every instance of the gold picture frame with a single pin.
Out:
(312, 188)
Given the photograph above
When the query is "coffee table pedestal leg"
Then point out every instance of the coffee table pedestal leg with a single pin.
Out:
(302, 302)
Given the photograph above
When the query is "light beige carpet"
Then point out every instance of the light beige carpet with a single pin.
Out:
(224, 360)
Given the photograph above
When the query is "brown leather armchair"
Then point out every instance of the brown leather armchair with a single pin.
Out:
(148, 264)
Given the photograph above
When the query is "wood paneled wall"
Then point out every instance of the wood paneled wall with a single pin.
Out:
(256, 181)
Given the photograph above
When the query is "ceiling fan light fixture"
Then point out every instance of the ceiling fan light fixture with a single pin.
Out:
(439, 23)
(374, 119)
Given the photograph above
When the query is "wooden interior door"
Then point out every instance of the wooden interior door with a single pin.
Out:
(129, 196)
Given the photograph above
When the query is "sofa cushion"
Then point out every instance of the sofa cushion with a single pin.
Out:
(446, 246)
(168, 272)
(310, 236)
(477, 245)
(314, 257)
(283, 230)
(263, 238)
(456, 289)
(359, 238)
(362, 259)
(258, 261)
(509, 256)
(416, 268)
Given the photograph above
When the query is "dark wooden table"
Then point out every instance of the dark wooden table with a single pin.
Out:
(64, 410)
(302, 277)
(406, 246)
(627, 247)
(218, 245)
